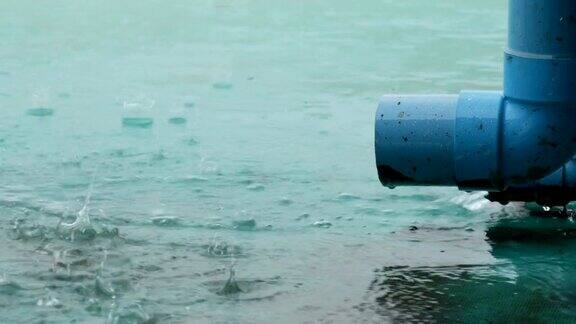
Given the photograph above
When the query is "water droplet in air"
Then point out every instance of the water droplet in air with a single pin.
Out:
(322, 223)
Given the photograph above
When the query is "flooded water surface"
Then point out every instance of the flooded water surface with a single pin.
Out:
(212, 161)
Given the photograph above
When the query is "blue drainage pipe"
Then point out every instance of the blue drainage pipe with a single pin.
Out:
(517, 144)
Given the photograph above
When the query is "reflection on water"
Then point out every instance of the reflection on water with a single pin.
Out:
(533, 278)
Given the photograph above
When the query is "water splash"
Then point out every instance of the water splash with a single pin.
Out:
(82, 223)
(103, 262)
(167, 221)
(132, 313)
(23, 231)
(59, 261)
(322, 223)
(231, 286)
(49, 301)
(218, 248)
(104, 289)
(245, 224)
(474, 201)
(137, 111)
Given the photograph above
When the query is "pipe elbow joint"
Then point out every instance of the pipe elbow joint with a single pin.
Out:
(502, 141)
(556, 189)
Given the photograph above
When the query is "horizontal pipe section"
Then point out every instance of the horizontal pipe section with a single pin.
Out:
(415, 140)
(478, 140)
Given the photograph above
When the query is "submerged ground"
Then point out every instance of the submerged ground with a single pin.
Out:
(212, 161)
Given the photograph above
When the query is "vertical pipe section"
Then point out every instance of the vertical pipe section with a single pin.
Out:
(540, 63)
(539, 89)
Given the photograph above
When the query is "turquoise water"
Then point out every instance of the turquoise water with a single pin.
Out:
(212, 161)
